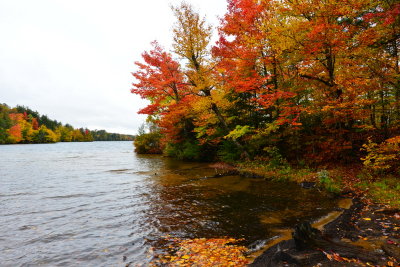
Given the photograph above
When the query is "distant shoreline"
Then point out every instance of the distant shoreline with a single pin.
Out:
(67, 142)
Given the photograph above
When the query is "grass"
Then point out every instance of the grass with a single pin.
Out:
(277, 173)
(385, 190)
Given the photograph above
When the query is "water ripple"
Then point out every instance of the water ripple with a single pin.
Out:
(95, 204)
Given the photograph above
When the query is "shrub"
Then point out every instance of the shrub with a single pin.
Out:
(383, 157)
(328, 182)
(148, 143)
(184, 151)
(275, 158)
(228, 152)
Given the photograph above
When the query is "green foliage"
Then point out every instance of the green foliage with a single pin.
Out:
(190, 151)
(102, 135)
(238, 132)
(148, 143)
(5, 123)
(228, 152)
(184, 151)
(385, 190)
(3, 136)
(325, 179)
(275, 158)
(64, 133)
(44, 135)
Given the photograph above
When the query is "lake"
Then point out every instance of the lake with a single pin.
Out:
(100, 204)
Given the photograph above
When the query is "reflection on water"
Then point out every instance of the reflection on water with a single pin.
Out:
(92, 204)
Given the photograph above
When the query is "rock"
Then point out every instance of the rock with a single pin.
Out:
(307, 237)
(273, 256)
(307, 185)
(306, 249)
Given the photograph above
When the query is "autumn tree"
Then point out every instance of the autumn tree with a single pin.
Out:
(303, 80)
(5, 123)
(160, 80)
(44, 135)
(251, 62)
(192, 43)
(380, 51)
(15, 131)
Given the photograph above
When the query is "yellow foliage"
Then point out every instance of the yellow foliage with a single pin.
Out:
(238, 132)
(383, 156)
(206, 252)
(191, 36)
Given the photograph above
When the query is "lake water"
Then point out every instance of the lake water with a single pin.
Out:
(100, 204)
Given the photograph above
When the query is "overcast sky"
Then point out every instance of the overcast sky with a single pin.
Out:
(72, 59)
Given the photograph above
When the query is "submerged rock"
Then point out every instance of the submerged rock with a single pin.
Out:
(307, 185)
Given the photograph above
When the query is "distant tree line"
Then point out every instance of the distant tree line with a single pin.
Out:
(102, 135)
(23, 125)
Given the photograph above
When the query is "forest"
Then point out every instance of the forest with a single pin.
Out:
(22, 125)
(302, 82)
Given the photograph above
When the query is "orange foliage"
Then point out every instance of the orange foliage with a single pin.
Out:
(158, 80)
(207, 252)
(16, 133)
(16, 117)
(161, 81)
(314, 78)
(35, 124)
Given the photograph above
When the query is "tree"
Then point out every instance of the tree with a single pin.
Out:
(308, 79)
(161, 81)
(5, 123)
(15, 134)
(191, 42)
(44, 135)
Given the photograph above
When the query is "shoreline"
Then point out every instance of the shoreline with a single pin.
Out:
(286, 234)
(360, 233)
(371, 230)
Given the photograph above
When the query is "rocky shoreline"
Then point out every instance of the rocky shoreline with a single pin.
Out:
(364, 235)
(361, 234)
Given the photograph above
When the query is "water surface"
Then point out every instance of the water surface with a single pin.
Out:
(100, 204)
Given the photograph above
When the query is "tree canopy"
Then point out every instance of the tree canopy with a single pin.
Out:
(315, 81)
